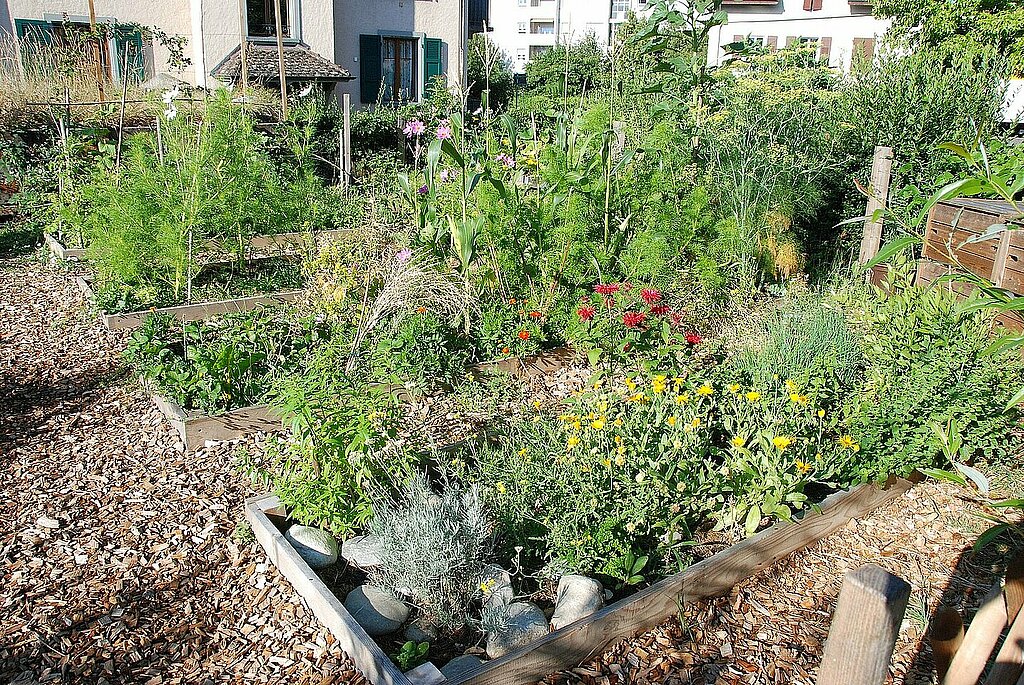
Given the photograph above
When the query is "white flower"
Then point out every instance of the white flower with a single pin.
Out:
(170, 95)
(306, 91)
(171, 112)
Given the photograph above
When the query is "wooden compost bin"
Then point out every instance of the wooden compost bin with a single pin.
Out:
(190, 312)
(999, 258)
(274, 244)
(572, 644)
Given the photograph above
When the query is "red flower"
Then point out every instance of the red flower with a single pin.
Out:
(524, 335)
(606, 288)
(650, 295)
(693, 338)
(633, 319)
(659, 309)
(586, 313)
(504, 350)
(535, 315)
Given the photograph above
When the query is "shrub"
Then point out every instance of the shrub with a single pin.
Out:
(567, 71)
(432, 549)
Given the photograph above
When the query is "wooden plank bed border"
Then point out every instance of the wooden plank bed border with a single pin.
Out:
(575, 643)
(190, 312)
(277, 241)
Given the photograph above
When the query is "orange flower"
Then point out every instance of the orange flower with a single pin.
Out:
(421, 310)
(534, 315)
(504, 350)
(524, 335)
(512, 301)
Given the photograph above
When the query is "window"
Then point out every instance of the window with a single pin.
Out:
(522, 3)
(543, 26)
(521, 27)
(521, 55)
(390, 67)
(812, 5)
(122, 52)
(398, 69)
(538, 50)
(534, 3)
(619, 9)
(262, 22)
(863, 49)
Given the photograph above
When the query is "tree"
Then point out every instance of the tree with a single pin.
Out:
(568, 70)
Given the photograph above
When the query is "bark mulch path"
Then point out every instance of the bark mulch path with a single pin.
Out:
(119, 557)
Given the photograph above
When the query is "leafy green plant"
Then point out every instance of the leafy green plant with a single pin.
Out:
(411, 655)
(626, 570)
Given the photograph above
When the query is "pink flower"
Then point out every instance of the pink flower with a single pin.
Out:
(650, 295)
(586, 313)
(659, 309)
(446, 175)
(606, 288)
(414, 128)
(403, 255)
(693, 338)
(444, 130)
(506, 160)
(633, 319)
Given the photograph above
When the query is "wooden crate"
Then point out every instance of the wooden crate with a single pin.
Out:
(576, 642)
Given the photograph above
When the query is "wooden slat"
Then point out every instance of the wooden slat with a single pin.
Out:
(946, 636)
(648, 608)
(864, 628)
(200, 310)
(360, 647)
(1009, 664)
(881, 170)
(980, 639)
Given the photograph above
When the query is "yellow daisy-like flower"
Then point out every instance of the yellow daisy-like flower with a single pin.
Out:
(597, 424)
(606, 462)
(522, 452)
(500, 487)
(705, 390)
(638, 398)
(849, 443)
(572, 442)
(682, 399)
(802, 466)
(694, 424)
(781, 442)
(821, 413)
(620, 460)
(671, 420)
(678, 382)
(753, 396)
(791, 386)
(631, 385)
(734, 388)
(658, 385)
(738, 441)
(797, 398)
(576, 424)
(617, 422)
(618, 439)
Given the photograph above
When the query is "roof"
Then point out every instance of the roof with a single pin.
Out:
(300, 64)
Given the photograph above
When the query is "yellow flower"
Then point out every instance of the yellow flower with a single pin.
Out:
(602, 406)
(598, 383)
(781, 442)
(620, 460)
(638, 398)
(576, 424)
(738, 441)
(522, 452)
(734, 388)
(597, 424)
(682, 399)
(618, 439)
(572, 442)
(695, 423)
(617, 422)
(791, 386)
(821, 413)
(631, 385)
(849, 443)
(671, 421)
(705, 390)
(797, 398)
(500, 487)
(658, 385)
(802, 466)
(606, 461)
(753, 396)
(536, 404)
(678, 382)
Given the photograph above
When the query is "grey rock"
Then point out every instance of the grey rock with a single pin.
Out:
(497, 586)
(317, 547)
(460, 665)
(425, 674)
(375, 610)
(362, 551)
(578, 596)
(526, 623)
(418, 631)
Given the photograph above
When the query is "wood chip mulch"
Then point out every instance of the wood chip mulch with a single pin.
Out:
(119, 557)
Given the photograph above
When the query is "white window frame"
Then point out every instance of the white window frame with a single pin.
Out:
(295, 12)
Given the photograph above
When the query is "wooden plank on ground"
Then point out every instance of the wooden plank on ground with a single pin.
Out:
(573, 644)
(360, 647)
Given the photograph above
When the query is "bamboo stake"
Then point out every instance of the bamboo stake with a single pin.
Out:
(1009, 665)
(243, 29)
(159, 140)
(98, 50)
(346, 120)
(280, 60)
(120, 122)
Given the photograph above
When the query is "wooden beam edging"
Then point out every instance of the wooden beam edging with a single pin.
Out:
(575, 643)
(195, 428)
(360, 647)
(58, 250)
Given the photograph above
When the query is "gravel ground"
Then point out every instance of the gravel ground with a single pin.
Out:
(120, 557)
(123, 562)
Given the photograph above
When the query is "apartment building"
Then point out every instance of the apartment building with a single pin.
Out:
(837, 28)
(376, 50)
(527, 28)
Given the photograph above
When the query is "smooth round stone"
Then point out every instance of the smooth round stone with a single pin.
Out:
(316, 546)
(578, 596)
(417, 631)
(376, 611)
(526, 623)
(362, 551)
(460, 665)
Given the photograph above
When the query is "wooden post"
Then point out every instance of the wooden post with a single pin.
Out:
(280, 60)
(881, 171)
(947, 634)
(987, 625)
(100, 71)
(864, 628)
(346, 146)
(243, 30)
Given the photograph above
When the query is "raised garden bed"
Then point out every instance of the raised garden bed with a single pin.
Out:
(270, 244)
(571, 644)
(189, 312)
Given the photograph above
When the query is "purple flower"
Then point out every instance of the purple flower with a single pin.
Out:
(444, 130)
(446, 175)
(506, 160)
(414, 128)
(403, 255)
(423, 190)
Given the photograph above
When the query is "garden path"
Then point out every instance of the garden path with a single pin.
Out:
(119, 558)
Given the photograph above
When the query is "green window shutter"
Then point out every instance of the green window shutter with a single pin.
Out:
(33, 36)
(369, 68)
(135, 67)
(433, 51)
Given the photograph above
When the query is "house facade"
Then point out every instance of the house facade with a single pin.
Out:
(525, 29)
(390, 48)
(838, 28)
